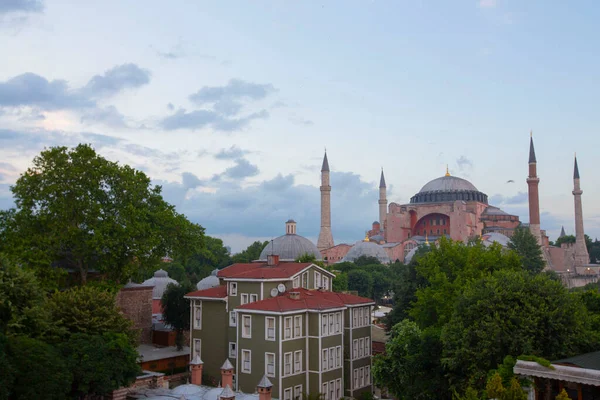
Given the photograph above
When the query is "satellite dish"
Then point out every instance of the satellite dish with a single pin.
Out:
(281, 288)
(274, 292)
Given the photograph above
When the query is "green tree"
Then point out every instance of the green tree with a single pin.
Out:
(89, 310)
(39, 370)
(7, 376)
(176, 310)
(494, 388)
(526, 246)
(410, 367)
(381, 284)
(470, 394)
(514, 391)
(563, 395)
(76, 210)
(251, 253)
(361, 281)
(366, 260)
(340, 282)
(100, 363)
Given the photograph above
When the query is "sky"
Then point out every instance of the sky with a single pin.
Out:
(229, 105)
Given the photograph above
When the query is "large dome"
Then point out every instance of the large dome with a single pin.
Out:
(160, 281)
(290, 246)
(369, 249)
(210, 281)
(448, 188)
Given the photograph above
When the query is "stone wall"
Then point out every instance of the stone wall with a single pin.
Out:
(136, 304)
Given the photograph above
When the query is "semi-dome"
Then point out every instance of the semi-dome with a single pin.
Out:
(495, 237)
(448, 188)
(368, 249)
(210, 281)
(160, 280)
(290, 246)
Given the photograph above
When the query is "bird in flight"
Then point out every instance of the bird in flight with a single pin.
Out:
(510, 181)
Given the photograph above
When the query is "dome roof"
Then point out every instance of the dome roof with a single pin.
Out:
(289, 248)
(210, 281)
(492, 237)
(369, 249)
(448, 184)
(160, 280)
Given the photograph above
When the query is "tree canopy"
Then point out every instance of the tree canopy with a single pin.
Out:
(251, 253)
(176, 309)
(526, 246)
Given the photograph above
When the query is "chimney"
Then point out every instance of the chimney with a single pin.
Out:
(227, 394)
(272, 259)
(295, 295)
(196, 366)
(264, 388)
(227, 374)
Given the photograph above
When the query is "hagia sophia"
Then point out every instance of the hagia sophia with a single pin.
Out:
(446, 206)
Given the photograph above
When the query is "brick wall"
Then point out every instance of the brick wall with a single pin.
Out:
(136, 304)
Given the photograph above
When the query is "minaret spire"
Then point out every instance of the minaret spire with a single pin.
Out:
(325, 237)
(534, 198)
(382, 202)
(581, 254)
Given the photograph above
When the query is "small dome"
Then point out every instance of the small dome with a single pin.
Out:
(160, 281)
(210, 281)
(447, 184)
(289, 247)
(188, 390)
(496, 237)
(369, 249)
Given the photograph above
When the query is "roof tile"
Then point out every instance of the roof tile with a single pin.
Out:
(218, 292)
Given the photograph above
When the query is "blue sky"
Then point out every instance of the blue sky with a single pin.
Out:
(230, 104)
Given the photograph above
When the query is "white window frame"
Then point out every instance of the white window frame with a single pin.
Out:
(296, 282)
(354, 349)
(233, 288)
(367, 319)
(197, 310)
(355, 318)
(324, 359)
(232, 350)
(325, 391)
(232, 318)
(287, 394)
(317, 280)
(338, 322)
(298, 392)
(367, 375)
(367, 351)
(325, 282)
(332, 390)
(247, 369)
(197, 348)
(287, 363)
(267, 373)
(297, 361)
(244, 298)
(247, 335)
(331, 363)
(298, 326)
(338, 356)
(356, 379)
(361, 312)
(361, 347)
(338, 388)
(267, 329)
(305, 280)
(331, 324)
(361, 376)
(324, 325)
(287, 328)
(253, 298)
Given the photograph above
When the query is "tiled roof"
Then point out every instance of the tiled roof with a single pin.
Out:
(262, 270)
(218, 292)
(308, 300)
(588, 360)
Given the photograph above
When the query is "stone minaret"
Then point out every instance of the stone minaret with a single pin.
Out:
(581, 253)
(534, 199)
(325, 237)
(382, 201)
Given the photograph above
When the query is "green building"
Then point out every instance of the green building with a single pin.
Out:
(281, 319)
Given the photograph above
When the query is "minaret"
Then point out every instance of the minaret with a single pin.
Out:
(562, 232)
(534, 199)
(581, 253)
(325, 237)
(382, 201)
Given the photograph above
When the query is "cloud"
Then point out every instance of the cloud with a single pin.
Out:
(170, 106)
(31, 6)
(190, 181)
(464, 163)
(30, 89)
(231, 153)
(116, 79)
(227, 100)
(108, 116)
(519, 198)
(102, 140)
(487, 3)
(301, 121)
(199, 119)
(242, 169)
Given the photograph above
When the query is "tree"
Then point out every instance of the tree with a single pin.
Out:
(361, 281)
(89, 310)
(7, 376)
(176, 310)
(76, 210)
(410, 367)
(340, 282)
(381, 284)
(366, 260)
(39, 370)
(100, 363)
(563, 395)
(470, 394)
(514, 391)
(527, 247)
(494, 388)
(251, 253)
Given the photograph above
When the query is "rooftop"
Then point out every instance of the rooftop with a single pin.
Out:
(258, 270)
(218, 292)
(150, 353)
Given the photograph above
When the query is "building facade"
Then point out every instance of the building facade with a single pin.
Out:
(281, 320)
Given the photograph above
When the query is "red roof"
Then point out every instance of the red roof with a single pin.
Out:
(218, 292)
(308, 300)
(377, 347)
(262, 270)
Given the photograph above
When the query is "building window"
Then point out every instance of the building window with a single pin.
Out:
(331, 358)
(438, 231)
(355, 318)
(270, 328)
(338, 356)
(367, 375)
(287, 364)
(324, 325)
(298, 392)
(361, 376)
(332, 390)
(232, 318)
(317, 280)
(253, 298)
(325, 392)
(232, 350)
(338, 388)
(197, 347)
(298, 326)
(246, 326)
(444, 231)
(367, 316)
(325, 281)
(287, 327)
(244, 298)
(305, 280)
(361, 347)
(233, 288)
(338, 322)
(354, 348)
(270, 364)
(246, 361)
(367, 346)
(297, 361)
(324, 359)
(287, 394)
(356, 379)
(296, 282)
(331, 324)
(198, 315)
